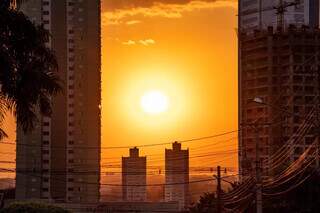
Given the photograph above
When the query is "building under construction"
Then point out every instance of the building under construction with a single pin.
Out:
(278, 95)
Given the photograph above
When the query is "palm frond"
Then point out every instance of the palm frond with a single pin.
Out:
(28, 76)
(3, 134)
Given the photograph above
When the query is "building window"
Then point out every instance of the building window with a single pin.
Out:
(46, 152)
(45, 133)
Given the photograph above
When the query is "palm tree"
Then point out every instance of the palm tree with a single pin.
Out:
(27, 68)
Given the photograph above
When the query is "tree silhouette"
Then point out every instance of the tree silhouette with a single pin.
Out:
(207, 204)
(27, 68)
(33, 207)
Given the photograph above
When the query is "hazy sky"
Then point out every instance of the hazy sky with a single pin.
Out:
(185, 49)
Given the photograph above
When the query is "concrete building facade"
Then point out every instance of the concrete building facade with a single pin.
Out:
(177, 175)
(60, 160)
(306, 13)
(279, 68)
(134, 177)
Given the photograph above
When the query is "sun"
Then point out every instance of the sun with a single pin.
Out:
(154, 102)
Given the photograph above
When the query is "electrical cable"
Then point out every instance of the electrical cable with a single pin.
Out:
(124, 147)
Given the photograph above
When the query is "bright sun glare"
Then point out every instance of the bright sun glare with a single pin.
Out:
(154, 102)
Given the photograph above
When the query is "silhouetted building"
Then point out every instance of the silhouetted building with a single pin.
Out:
(177, 175)
(280, 69)
(134, 177)
(306, 13)
(56, 164)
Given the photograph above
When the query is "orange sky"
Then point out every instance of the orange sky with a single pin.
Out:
(186, 49)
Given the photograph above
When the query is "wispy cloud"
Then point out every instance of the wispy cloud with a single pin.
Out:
(146, 42)
(132, 22)
(165, 10)
(129, 43)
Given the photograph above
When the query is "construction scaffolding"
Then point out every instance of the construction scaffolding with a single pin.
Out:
(281, 69)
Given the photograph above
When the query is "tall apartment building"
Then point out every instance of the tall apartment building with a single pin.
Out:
(60, 160)
(134, 177)
(177, 171)
(306, 13)
(278, 68)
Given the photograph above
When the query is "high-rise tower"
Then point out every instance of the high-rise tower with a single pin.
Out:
(134, 177)
(60, 159)
(177, 175)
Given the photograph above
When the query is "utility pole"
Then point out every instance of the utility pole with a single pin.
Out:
(219, 203)
(317, 126)
(258, 173)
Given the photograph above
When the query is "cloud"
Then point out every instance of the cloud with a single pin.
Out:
(129, 43)
(164, 8)
(146, 42)
(126, 4)
(132, 22)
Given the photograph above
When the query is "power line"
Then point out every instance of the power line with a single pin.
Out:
(120, 185)
(123, 147)
(291, 188)
(193, 150)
